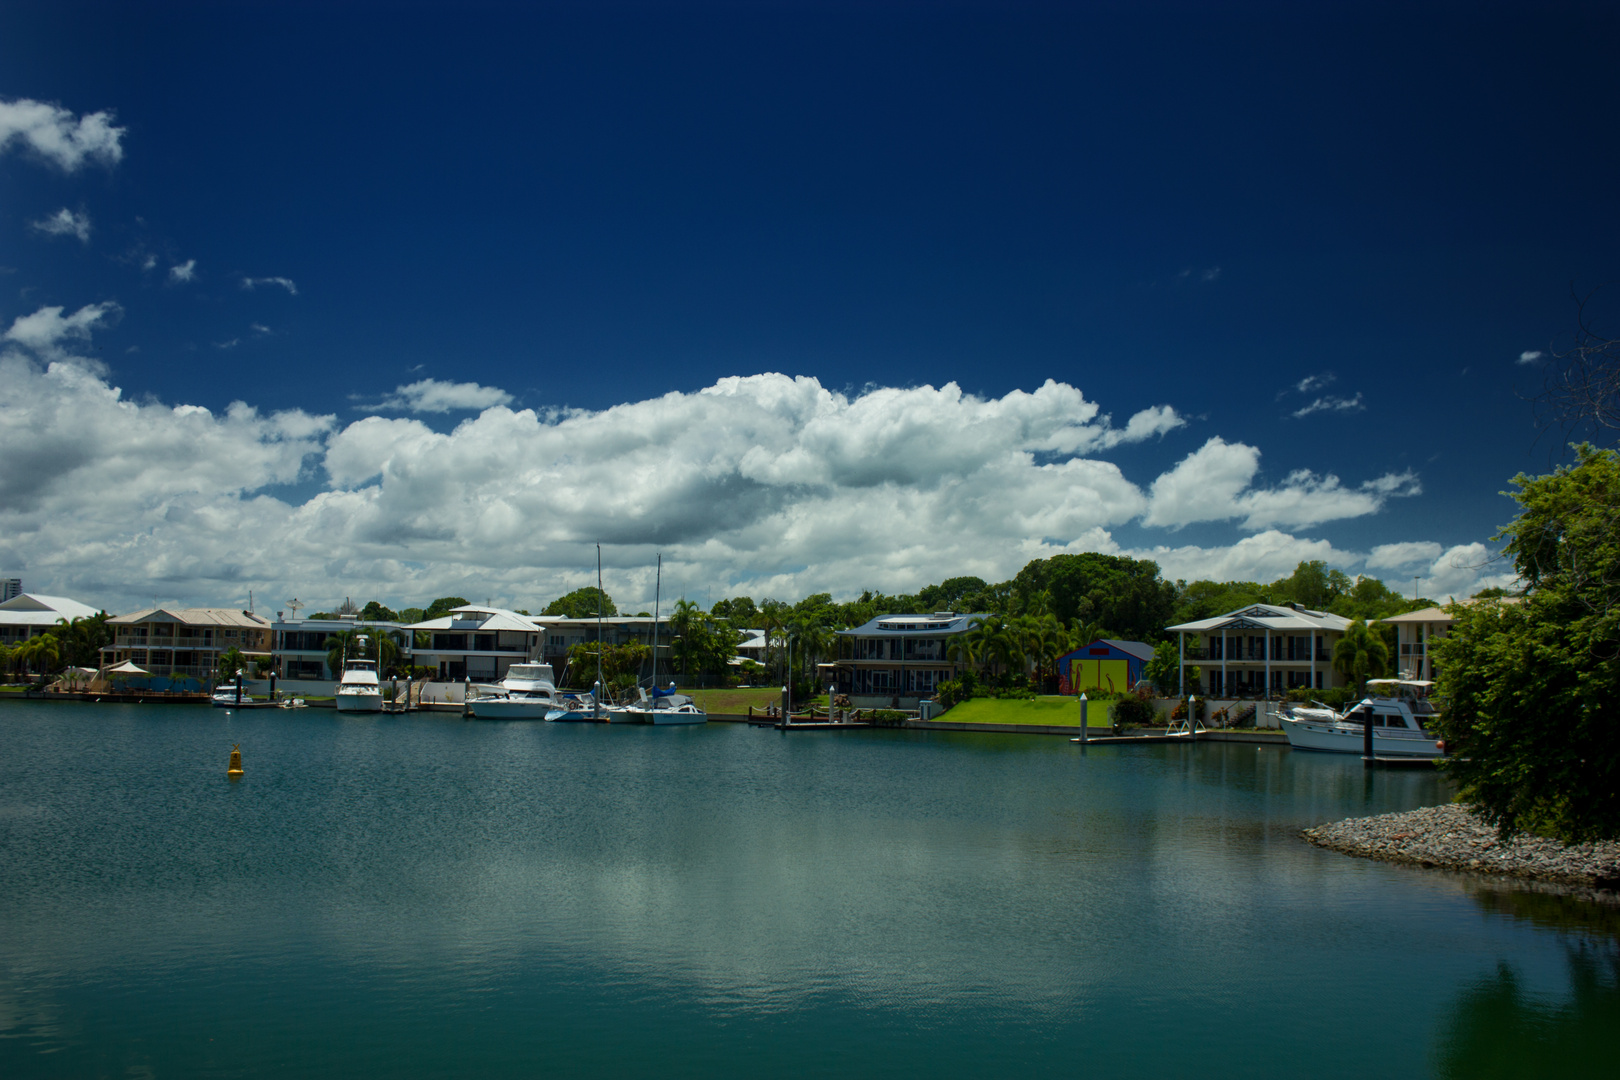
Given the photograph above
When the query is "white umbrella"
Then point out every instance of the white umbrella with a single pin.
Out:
(127, 668)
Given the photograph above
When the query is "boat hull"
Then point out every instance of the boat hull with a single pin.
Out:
(359, 701)
(1304, 735)
(508, 709)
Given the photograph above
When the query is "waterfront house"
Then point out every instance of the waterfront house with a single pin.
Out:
(561, 635)
(300, 645)
(475, 642)
(897, 660)
(1107, 664)
(183, 645)
(27, 615)
(1260, 649)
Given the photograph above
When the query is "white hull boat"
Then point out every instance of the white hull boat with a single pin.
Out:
(359, 691)
(527, 693)
(1398, 710)
(575, 708)
(665, 707)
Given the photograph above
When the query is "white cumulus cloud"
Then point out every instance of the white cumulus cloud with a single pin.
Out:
(49, 334)
(438, 396)
(1529, 356)
(185, 271)
(1397, 556)
(54, 134)
(65, 222)
(767, 485)
(1214, 483)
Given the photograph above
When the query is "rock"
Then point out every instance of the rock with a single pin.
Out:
(1454, 838)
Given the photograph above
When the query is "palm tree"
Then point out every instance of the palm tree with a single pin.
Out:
(361, 643)
(773, 616)
(42, 653)
(1360, 654)
(684, 624)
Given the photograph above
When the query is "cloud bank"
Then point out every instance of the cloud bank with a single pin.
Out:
(768, 485)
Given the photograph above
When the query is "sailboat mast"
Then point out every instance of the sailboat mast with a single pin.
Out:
(658, 584)
(599, 624)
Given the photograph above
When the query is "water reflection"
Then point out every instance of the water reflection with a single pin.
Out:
(1501, 1027)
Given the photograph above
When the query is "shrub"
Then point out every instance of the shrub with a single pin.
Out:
(1180, 711)
(1133, 711)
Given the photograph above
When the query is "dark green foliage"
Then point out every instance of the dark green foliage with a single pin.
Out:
(1532, 689)
(953, 594)
(80, 642)
(375, 612)
(1125, 595)
(581, 604)
(1133, 710)
(443, 606)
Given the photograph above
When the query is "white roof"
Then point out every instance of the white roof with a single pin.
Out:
(33, 609)
(1267, 617)
(485, 619)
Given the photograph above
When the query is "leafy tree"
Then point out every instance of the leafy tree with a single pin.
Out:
(1164, 670)
(620, 663)
(411, 615)
(375, 612)
(444, 605)
(952, 594)
(1532, 688)
(582, 604)
(739, 611)
(1360, 654)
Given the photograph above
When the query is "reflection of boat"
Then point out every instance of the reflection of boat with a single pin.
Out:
(1398, 709)
(359, 691)
(665, 707)
(527, 693)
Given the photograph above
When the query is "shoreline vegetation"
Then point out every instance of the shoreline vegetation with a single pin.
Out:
(1454, 837)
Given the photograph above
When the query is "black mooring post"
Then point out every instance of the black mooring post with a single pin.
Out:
(1366, 737)
(239, 686)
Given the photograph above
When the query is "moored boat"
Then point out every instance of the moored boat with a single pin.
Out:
(527, 693)
(359, 691)
(665, 707)
(1398, 709)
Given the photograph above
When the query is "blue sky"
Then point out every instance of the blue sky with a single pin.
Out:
(1307, 249)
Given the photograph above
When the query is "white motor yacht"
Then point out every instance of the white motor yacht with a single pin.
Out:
(359, 691)
(527, 693)
(1398, 708)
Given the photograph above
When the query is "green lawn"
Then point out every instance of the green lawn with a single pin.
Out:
(1042, 710)
(729, 702)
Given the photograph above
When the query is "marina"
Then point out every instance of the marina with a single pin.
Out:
(419, 896)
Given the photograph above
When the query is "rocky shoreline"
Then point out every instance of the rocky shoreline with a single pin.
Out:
(1453, 838)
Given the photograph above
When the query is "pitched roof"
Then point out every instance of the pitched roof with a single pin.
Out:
(197, 616)
(1267, 617)
(486, 619)
(37, 609)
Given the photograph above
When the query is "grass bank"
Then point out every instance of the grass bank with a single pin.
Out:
(735, 701)
(1052, 710)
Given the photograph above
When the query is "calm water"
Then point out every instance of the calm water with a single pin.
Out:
(423, 897)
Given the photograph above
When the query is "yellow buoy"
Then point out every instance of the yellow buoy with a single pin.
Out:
(236, 761)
